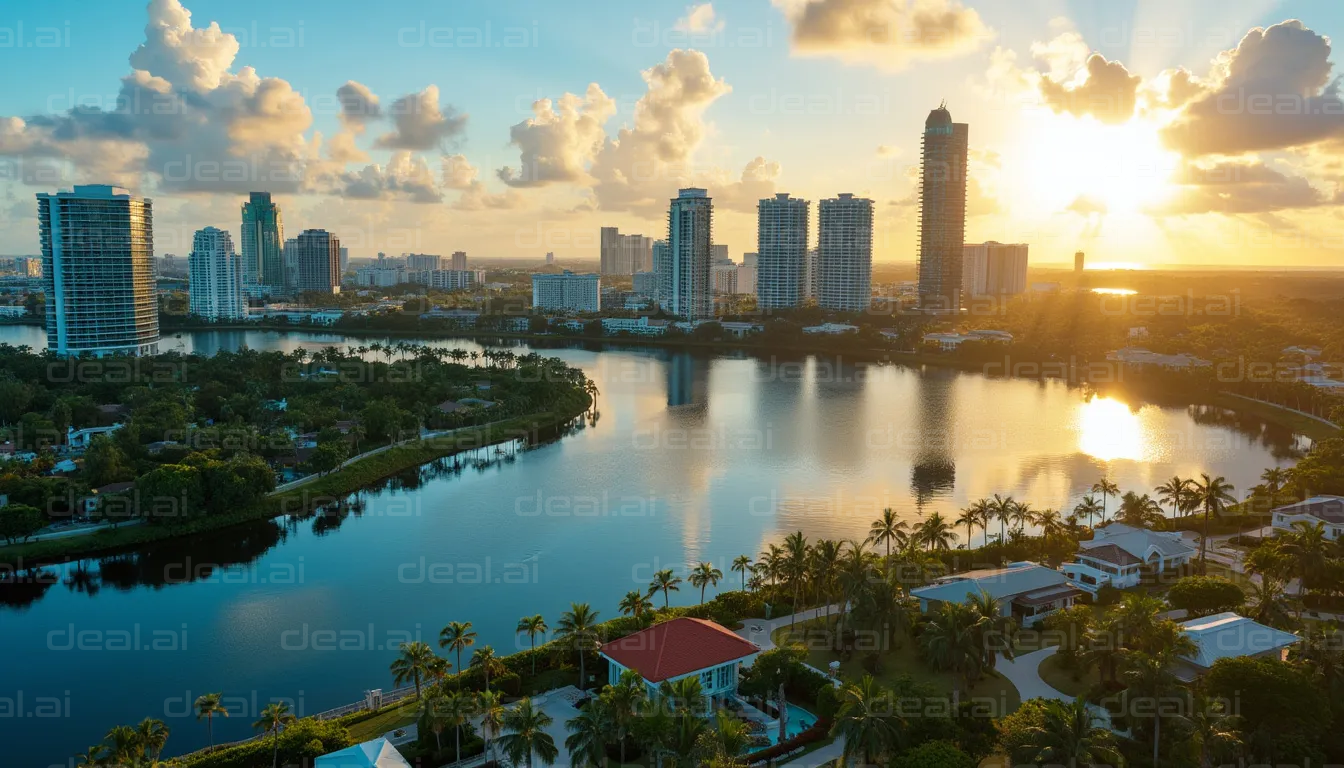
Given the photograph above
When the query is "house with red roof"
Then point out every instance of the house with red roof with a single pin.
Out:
(682, 648)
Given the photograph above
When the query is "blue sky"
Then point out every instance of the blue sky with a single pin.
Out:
(820, 114)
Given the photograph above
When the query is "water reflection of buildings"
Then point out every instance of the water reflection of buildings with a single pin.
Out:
(933, 473)
(687, 380)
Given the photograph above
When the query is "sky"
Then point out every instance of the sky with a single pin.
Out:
(1143, 132)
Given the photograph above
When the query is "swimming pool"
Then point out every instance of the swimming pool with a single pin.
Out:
(799, 720)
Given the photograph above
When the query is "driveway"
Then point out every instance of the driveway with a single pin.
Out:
(759, 631)
(1025, 673)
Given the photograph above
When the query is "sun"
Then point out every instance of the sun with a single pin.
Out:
(1115, 169)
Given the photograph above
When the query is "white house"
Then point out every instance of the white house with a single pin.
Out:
(378, 753)
(1119, 554)
(831, 328)
(635, 326)
(1328, 510)
(682, 648)
(1026, 591)
(78, 439)
(1229, 636)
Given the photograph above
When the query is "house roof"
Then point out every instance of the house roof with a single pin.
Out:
(1328, 509)
(678, 647)
(1139, 542)
(1229, 636)
(378, 753)
(1111, 554)
(1048, 595)
(1013, 580)
(114, 488)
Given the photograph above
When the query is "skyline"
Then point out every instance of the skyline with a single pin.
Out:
(744, 101)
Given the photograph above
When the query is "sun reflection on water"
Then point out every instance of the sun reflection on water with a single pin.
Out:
(1109, 431)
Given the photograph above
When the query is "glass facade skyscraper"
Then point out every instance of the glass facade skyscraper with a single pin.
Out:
(263, 242)
(688, 291)
(98, 273)
(942, 211)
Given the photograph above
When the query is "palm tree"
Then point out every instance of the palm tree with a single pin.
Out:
(1307, 548)
(1265, 602)
(665, 582)
(935, 532)
(1139, 510)
(578, 626)
(1051, 527)
(414, 664)
(527, 736)
(885, 608)
(1149, 677)
(533, 626)
(995, 630)
(796, 557)
(152, 735)
(1021, 515)
(887, 529)
(724, 744)
(1089, 506)
(624, 700)
(1002, 510)
(590, 733)
(825, 570)
(456, 708)
(1069, 735)
(457, 636)
(866, 723)
(703, 575)
(1107, 489)
(122, 746)
(274, 716)
(1209, 725)
(635, 603)
(655, 729)
(93, 757)
(685, 696)
(742, 564)
(207, 706)
(491, 709)
(969, 517)
(951, 642)
(485, 658)
(1175, 492)
(1214, 494)
(1274, 479)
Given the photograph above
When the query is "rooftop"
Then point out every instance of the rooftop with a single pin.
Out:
(1229, 635)
(1139, 542)
(678, 647)
(1111, 554)
(1329, 509)
(1015, 579)
(378, 753)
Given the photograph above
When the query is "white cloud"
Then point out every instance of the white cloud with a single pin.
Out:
(421, 123)
(560, 139)
(890, 34)
(699, 19)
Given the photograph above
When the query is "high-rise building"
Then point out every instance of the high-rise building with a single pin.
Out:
(646, 284)
(749, 259)
(624, 254)
(942, 214)
(662, 271)
(718, 254)
(1079, 261)
(263, 242)
(215, 277)
(725, 279)
(690, 229)
(97, 272)
(460, 261)
(746, 279)
(345, 259)
(447, 279)
(290, 257)
(781, 252)
(550, 258)
(319, 258)
(567, 292)
(845, 253)
(994, 269)
(28, 266)
(810, 280)
(419, 262)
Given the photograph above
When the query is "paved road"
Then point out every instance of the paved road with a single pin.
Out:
(759, 631)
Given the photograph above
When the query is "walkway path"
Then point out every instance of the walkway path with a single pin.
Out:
(833, 751)
(1025, 673)
(81, 530)
(760, 631)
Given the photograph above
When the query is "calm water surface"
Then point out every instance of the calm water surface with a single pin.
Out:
(691, 458)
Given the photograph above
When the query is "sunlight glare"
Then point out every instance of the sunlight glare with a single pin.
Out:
(1108, 431)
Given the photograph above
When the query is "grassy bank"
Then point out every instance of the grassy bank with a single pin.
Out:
(1284, 417)
(336, 484)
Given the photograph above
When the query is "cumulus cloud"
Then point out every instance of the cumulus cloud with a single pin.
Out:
(404, 177)
(359, 106)
(756, 181)
(558, 142)
(420, 123)
(1106, 91)
(1238, 187)
(699, 19)
(886, 33)
(1275, 90)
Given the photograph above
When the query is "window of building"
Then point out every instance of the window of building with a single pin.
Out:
(707, 679)
(726, 675)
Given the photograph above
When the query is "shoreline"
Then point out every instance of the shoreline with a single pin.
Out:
(321, 490)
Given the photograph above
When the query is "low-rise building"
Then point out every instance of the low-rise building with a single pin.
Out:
(567, 292)
(831, 328)
(947, 342)
(635, 326)
(1119, 555)
(1026, 591)
(1139, 357)
(682, 648)
(378, 753)
(1326, 510)
(1229, 636)
(741, 330)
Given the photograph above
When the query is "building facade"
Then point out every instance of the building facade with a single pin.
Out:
(448, 279)
(1079, 262)
(845, 254)
(690, 231)
(460, 261)
(725, 279)
(419, 262)
(97, 253)
(781, 252)
(319, 259)
(646, 284)
(994, 269)
(215, 277)
(263, 241)
(567, 292)
(625, 254)
(942, 211)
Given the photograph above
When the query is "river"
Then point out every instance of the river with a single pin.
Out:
(692, 458)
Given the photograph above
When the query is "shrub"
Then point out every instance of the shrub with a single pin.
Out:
(1202, 595)
(300, 742)
(935, 754)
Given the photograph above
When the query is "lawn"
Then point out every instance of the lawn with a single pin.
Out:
(387, 719)
(905, 660)
(1057, 676)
